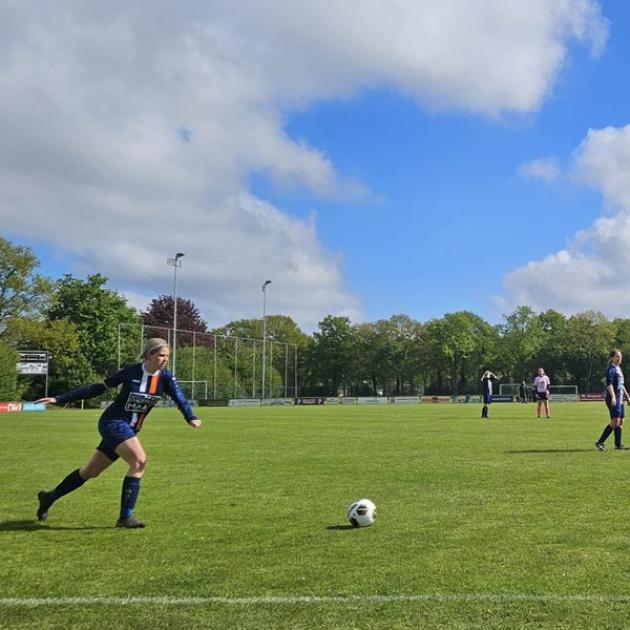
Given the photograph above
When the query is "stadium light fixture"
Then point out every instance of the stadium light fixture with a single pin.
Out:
(175, 263)
(266, 283)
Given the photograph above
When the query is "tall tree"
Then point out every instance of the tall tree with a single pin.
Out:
(9, 388)
(522, 338)
(553, 352)
(101, 316)
(332, 353)
(591, 337)
(160, 312)
(459, 346)
(23, 293)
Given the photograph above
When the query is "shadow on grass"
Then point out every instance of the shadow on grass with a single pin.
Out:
(32, 526)
(341, 527)
(553, 450)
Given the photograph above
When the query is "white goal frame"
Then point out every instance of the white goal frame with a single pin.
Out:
(559, 393)
(192, 388)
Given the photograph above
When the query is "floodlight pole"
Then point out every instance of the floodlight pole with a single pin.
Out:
(264, 339)
(175, 263)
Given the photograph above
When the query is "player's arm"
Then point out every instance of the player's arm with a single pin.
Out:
(87, 391)
(172, 388)
(611, 392)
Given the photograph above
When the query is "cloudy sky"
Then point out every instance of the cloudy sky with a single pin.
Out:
(370, 157)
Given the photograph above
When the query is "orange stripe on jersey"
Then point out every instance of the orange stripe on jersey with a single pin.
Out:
(153, 383)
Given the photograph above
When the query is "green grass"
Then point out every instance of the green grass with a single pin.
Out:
(508, 522)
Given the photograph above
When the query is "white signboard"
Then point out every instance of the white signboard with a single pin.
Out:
(33, 362)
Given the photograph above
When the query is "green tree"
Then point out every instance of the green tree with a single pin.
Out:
(23, 293)
(332, 354)
(9, 388)
(591, 337)
(554, 350)
(97, 314)
(522, 338)
(458, 347)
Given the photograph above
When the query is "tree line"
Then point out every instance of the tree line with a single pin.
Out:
(83, 325)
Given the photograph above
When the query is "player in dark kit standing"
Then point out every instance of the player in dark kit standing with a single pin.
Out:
(142, 387)
(486, 381)
(615, 393)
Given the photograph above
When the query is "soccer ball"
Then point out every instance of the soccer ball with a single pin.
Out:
(362, 513)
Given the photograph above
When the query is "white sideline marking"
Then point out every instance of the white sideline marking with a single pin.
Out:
(303, 599)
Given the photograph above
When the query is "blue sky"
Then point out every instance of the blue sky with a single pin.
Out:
(362, 181)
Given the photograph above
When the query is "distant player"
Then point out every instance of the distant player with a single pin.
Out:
(615, 393)
(142, 387)
(522, 392)
(486, 381)
(541, 387)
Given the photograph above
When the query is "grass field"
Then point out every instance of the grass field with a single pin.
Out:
(508, 522)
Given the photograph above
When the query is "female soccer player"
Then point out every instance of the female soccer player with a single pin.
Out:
(615, 393)
(142, 386)
(541, 387)
(486, 380)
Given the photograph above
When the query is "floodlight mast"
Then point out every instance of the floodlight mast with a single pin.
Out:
(175, 263)
(266, 283)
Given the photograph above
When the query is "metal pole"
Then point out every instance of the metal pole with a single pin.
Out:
(175, 262)
(214, 368)
(193, 365)
(271, 369)
(264, 339)
(175, 318)
(295, 386)
(235, 364)
(286, 369)
(254, 369)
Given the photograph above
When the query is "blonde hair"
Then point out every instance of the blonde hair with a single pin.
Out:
(151, 346)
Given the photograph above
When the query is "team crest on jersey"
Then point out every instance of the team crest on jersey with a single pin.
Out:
(141, 403)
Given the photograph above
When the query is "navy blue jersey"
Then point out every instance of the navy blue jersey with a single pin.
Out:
(614, 377)
(140, 392)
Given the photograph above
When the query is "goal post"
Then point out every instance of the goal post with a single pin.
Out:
(559, 393)
(194, 389)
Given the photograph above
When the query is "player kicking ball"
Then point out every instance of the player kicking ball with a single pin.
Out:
(142, 387)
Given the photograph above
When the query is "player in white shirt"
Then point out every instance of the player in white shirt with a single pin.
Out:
(541, 388)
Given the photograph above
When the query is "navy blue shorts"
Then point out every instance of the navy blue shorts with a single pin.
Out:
(615, 411)
(487, 399)
(114, 433)
(542, 395)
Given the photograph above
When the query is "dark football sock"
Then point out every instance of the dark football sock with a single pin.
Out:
(130, 492)
(70, 483)
(605, 433)
(617, 437)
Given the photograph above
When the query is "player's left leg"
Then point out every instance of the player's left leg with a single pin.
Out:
(132, 452)
(618, 431)
(97, 464)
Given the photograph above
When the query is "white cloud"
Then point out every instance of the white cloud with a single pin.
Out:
(593, 272)
(129, 130)
(546, 169)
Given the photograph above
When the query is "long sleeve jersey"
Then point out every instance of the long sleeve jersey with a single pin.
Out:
(140, 392)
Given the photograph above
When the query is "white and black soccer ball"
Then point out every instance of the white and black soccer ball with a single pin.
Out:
(362, 513)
